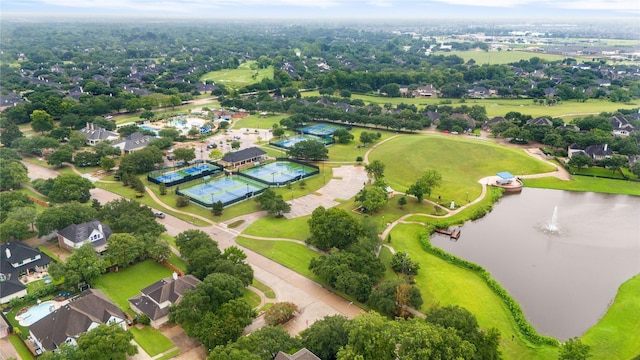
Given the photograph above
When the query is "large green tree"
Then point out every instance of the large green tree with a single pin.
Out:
(62, 154)
(185, 154)
(372, 198)
(309, 150)
(123, 249)
(63, 215)
(333, 227)
(41, 121)
(375, 169)
(83, 266)
(425, 184)
(71, 187)
(574, 349)
(12, 174)
(326, 336)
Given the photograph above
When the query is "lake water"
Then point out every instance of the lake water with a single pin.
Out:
(563, 281)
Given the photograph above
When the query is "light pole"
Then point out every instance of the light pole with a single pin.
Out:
(467, 196)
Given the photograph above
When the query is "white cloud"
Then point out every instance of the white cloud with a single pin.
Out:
(609, 5)
(380, 3)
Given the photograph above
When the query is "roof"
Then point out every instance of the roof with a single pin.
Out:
(244, 154)
(78, 233)
(73, 319)
(93, 132)
(505, 175)
(540, 121)
(165, 290)
(19, 253)
(302, 354)
(134, 141)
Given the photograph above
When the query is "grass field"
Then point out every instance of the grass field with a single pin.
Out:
(280, 252)
(444, 284)
(259, 122)
(586, 183)
(120, 286)
(20, 347)
(500, 57)
(151, 340)
(460, 174)
(237, 78)
(617, 335)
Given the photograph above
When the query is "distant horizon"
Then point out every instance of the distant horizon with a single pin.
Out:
(484, 11)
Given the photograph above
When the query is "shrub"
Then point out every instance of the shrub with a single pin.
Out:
(163, 189)
(143, 319)
(182, 201)
(280, 313)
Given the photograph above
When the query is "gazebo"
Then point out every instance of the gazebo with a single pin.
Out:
(505, 177)
(508, 181)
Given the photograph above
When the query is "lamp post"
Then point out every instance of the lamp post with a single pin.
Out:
(467, 196)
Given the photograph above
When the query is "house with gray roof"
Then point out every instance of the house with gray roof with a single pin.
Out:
(18, 259)
(76, 235)
(133, 142)
(302, 354)
(155, 299)
(542, 121)
(95, 134)
(83, 313)
(243, 157)
(621, 126)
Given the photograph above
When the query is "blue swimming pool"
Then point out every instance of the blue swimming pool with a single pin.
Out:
(35, 313)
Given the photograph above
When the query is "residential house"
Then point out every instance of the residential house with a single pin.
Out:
(550, 92)
(596, 152)
(10, 99)
(495, 120)
(478, 92)
(95, 134)
(542, 121)
(302, 354)
(243, 157)
(155, 299)
(76, 235)
(17, 260)
(133, 142)
(85, 312)
(471, 122)
(433, 115)
(621, 126)
(426, 91)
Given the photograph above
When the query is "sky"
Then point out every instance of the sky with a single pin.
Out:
(332, 9)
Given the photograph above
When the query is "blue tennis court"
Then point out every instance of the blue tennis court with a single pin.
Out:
(280, 172)
(289, 142)
(189, 173)
(226, 189)
(320, 130)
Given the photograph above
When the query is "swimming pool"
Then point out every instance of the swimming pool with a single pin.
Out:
(35, 313)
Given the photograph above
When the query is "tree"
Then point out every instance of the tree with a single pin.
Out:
(171, 133)
(185, 154)
(123, 249)
(84, 265)
(12, 229)
(217, 208)
(580, 161)
(401, 263)
(62, 154)
(13, 174)
(10, 131)
(333, 228)
(34, 144)
(309, 149)
(25, 214)
(273, 204)
(129, 216)
(41, 121)
(147, 115)
(235, 145)
(107, 163)
(226, 324)
(636, 169)
(342, 136)
(278, 132)
(71, 187)
(574, 349)
(425, 184)
(402, 201)
(326, 336)
(141, 161)
(372, 198)
(106, 342)
(267, 342)
(61, 216)
(615, 162)
(390, 297)
(280, 313)
(375, 169)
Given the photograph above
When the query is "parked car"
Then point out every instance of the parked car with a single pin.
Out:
(160, 215)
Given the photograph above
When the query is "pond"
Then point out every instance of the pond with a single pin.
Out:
(564, 280)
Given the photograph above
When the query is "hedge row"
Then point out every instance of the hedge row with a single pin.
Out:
(523, 326)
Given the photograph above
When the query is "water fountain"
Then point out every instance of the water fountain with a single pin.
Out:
(553, 225)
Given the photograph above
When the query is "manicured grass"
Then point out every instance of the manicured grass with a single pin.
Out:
(349, 152)
(20, 347)
(120, 286)
(444, 284)
(169, 355)
(257, 121)
(237, 78)
(616, 335)
(586, 183)
(500, 57)
(177, 262)
(272, 227)
(251, 298)
(280, 252)
(596, 171)
(461, 161)
(151, 340)
(267, 291)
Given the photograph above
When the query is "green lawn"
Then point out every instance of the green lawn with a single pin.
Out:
(349, 152)
(272, 227)
(443, 284)
(20, 347)
(586, 183)
(280, 252)
(237, 78)
(177, 262)
(259, 122)
(120, 286)
(461, 161)
(617, 334)
(169, 355)
(267, 291)
(151, 340)
(251, 298)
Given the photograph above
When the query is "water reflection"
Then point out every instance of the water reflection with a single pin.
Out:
(563, 280)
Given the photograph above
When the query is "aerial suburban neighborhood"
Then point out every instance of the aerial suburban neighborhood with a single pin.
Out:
(366, 188)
